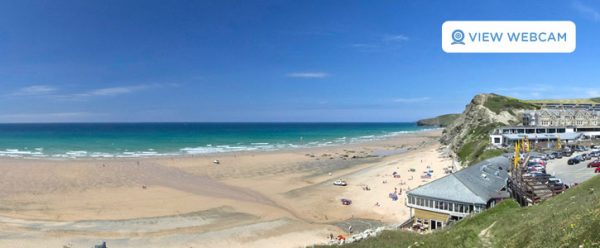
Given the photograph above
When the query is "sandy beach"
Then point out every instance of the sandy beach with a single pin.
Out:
(251, 199)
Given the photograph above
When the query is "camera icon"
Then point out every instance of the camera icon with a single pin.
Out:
(458, 36)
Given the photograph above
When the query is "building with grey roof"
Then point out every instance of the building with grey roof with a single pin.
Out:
(470, 190)
(562, 117)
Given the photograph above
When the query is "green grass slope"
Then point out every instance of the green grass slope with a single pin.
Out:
(568, 101)
(475, 147)
(499, 103)
(571, 219)
(441, 121)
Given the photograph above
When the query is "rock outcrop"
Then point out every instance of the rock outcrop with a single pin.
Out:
(468, 135)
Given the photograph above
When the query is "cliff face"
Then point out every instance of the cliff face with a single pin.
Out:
(468, 135)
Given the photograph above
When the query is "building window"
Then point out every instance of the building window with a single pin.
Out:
(496, 140)
(451, 207)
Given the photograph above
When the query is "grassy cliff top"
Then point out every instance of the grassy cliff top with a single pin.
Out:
(572, 101)
(571, 219)
(442, 120)
(498, 103)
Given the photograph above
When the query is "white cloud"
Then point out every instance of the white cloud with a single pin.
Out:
(593, 92)
(53, 92)
(395, 38)
(587, 11)
(115, 91)
(46, 117)
(384, 42)
(34, 90)
(412, 100)
(308, 75)
(541, 91)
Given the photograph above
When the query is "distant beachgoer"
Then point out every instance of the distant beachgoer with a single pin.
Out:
(350, 229)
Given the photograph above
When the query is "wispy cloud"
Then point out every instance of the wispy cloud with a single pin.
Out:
(34, 90)
(389, 41)
(46, 117)
(115, 91)
(541, 91)
(412, 100)
(587, 11)
(56, 93)
(395, 38)
(308, 75)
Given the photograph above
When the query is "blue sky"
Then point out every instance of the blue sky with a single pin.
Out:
(63, 61)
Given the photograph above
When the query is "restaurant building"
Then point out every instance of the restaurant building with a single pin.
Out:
(455, 196)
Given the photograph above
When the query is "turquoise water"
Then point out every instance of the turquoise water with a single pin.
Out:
(161, 139)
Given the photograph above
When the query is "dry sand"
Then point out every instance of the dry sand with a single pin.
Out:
(251, 199)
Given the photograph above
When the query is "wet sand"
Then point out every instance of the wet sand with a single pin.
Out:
(251, 199)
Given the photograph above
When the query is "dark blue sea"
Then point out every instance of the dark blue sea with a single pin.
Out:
(73, 140)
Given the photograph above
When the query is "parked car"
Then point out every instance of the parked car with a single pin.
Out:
(572, 161)
(340, 183)
(551, 156)
(568, 153)
(556, 183)
(579, 158)
(536, 169)
(557, 155)
(535, 174)
(594, 164)
(530, 163)
(597, 170)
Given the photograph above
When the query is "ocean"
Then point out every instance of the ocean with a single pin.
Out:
(112, 140)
